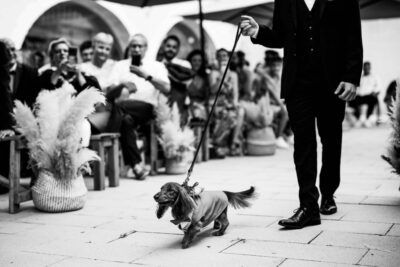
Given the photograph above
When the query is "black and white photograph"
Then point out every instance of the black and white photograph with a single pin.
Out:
(200, 133)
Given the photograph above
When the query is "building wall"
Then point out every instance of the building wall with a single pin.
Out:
(17, 19)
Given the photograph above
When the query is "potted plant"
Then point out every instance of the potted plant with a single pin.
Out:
(177, 142)
(54, 134)
(393, 151)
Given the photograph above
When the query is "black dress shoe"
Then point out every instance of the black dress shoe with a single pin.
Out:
(328, 206)
(303, 217)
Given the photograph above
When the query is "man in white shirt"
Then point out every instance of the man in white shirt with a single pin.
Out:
(150, 76)
(367, 96)
(147, 79)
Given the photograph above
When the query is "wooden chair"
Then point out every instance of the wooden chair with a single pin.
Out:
(17, 193)
(102, 143)
(198, 127)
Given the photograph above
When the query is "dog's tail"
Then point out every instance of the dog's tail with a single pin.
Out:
(240, 199)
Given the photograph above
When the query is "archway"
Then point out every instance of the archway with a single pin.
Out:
(188, 33)
(77, 21)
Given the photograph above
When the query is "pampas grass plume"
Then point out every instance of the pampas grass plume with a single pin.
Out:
(393, 151)
(53, 138)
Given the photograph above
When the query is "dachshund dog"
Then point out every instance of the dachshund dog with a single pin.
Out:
(191, 214)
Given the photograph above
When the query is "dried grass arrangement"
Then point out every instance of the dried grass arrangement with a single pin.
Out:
(54, 141)
(175, 140)
(393, 151)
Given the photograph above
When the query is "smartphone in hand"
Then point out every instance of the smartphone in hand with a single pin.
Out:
(136, 60)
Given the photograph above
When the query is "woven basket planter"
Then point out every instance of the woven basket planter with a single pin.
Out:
(179, 165)
(54, 195)
(261, 142)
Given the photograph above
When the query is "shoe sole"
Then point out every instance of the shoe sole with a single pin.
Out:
(328, 212)
(310, 223)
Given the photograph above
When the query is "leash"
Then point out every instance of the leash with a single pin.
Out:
(189, 173)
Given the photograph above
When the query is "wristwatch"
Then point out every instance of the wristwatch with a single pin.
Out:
(149, 78)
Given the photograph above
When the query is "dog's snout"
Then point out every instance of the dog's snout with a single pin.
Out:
(156, 196)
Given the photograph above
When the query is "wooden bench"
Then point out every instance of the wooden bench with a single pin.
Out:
(103, 143)
(17, 193)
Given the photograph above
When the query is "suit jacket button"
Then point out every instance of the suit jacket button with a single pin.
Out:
(294, 54)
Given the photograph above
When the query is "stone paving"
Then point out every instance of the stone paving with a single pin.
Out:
(364, 232)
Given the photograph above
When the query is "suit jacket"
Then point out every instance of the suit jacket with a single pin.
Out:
(26, 84)
(6, 119)
(340, 41)
(6, 107)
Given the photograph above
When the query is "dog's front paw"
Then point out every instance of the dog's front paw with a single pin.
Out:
(217, 233)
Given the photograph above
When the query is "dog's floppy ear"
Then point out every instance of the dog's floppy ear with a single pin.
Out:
(185, 203)
(161, 211)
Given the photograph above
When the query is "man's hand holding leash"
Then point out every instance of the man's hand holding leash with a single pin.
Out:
(249, 26)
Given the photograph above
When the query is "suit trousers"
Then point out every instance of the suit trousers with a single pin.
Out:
(310, 107)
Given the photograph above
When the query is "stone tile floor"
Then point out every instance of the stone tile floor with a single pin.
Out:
(364, 232)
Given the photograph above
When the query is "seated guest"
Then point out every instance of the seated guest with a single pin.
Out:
(225, 130)
(198, 88)
(238, 64)
(100, 65)
(19, 82)
(256, 112)
(270, 78)
(6, 119)
(86, 51)
(170, 50)
(179, 73)
(367, 97)
(24, 80)
(111, 118)
(63, 70)
(37, 59)
(150, 78)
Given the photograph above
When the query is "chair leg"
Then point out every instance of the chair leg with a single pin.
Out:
(15, 164)
(113, 176)
(206, 151)
(153, 151)
(99, 167)
(197, 132)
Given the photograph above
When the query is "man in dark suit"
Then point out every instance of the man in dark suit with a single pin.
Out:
(321, 69)
(6, 119)
(24, 80)
(20, 83)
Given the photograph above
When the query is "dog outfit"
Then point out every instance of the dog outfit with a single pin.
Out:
(208, 206)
